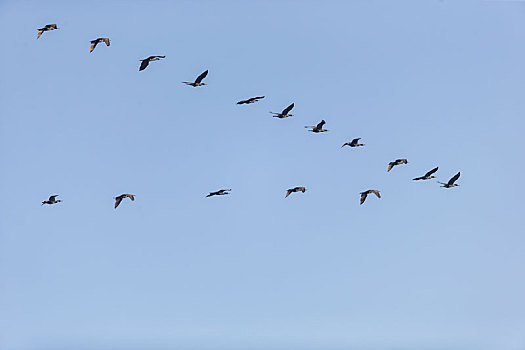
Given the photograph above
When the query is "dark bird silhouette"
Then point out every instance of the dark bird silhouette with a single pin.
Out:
(284, 113)
(450, 182)
(146, 61)
(96, 41)
(396, 162)
(45, 29)
(250, 100)
(428, 175)
(52, 200)
(121, 197)
(219, 193)
(366, 193)
(318, 127)
(295, 189)
(197, 81)
(353, 143)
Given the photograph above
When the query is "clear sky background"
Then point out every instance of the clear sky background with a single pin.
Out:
(440, 83)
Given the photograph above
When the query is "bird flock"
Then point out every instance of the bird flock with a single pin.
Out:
(285, 113)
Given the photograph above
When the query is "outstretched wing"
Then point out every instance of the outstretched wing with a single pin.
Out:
(390, 166)
(287, 109)
(93, 45)
(431, 172)
(52, 198)
(117, 201)
(454, 178)
(200, 77)
(244, 101)
(40, 31)
(257, 98)
(320, 125)
(355, 141)
(363, 197)
(288, 192)
(144, 64)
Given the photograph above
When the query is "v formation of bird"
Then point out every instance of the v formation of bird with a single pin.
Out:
(285, 113)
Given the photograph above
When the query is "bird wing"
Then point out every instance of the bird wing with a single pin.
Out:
(302, 189)
(363, 197)
(454, 178)
(144, 64)
(288, 109)
(51, 26)
(157, 56)
(320, 125)
(200, 77)
(431, 172)
(117, 201)
(93, 45)
(40, 31)
(390, 166)
(106, 40)
(52, 198)
(376, 193)
(355, 141)
(130, 196)
(257, 98)
(243, 101)
(288, 192)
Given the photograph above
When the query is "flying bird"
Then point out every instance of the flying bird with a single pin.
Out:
(121, 197)
(450, 182)
(318, 127)
(250, 100)
(45, 29)
(197, 81)
(52, 200)
(366, 193)
(428, 175)
(284, 113)
(219, 193)
(396, 162)
(353, 143)
(295, 189)
(96, 41)
(146, 61)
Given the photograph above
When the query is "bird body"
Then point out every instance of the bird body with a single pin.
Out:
(318, 127)
(366, 193)
(428, 175)
(250, 100)
(353, 143)
(219, 193)
(121, 197)
(198, 81)
(96, 41)
(144, 63)
(284, 113)
(48, 27)
(295, 189)
(396, 162)
(52, 200)
(450, 182)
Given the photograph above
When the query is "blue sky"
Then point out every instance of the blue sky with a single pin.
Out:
(437, 82)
